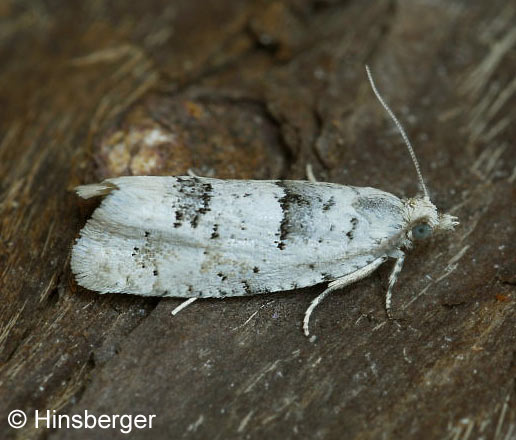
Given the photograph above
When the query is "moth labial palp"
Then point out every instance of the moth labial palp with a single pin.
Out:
(202, 237)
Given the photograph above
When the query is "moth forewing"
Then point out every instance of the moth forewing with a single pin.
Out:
(215, 238)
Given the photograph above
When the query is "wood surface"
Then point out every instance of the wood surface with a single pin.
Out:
(258, 89)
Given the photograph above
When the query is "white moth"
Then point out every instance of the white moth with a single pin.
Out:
(195, 237)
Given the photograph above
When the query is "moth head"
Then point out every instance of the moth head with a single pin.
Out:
(423, 220)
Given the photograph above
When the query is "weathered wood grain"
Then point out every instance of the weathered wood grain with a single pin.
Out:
(257, 89)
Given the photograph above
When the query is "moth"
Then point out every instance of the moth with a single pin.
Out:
(195, 237)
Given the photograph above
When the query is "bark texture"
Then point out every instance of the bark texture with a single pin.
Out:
(257, 89)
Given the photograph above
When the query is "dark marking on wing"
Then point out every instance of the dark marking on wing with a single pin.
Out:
(356, 191)
(179, 218)
(329, 204)
(206, 197)
(247, 287)
(195, 221)
(326, 276)
(378, 205)
(194, 201)
(354, 223)
(290, 201)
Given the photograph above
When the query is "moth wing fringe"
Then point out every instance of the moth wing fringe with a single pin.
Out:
(95, 189)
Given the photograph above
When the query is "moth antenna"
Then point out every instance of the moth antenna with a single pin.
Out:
(402, 132)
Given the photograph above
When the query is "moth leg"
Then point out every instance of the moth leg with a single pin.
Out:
(392, 280)
(337, 284)
(191, 173)
(182, 306)
(310, 173)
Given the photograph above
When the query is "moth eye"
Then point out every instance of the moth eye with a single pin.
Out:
(421, 231)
